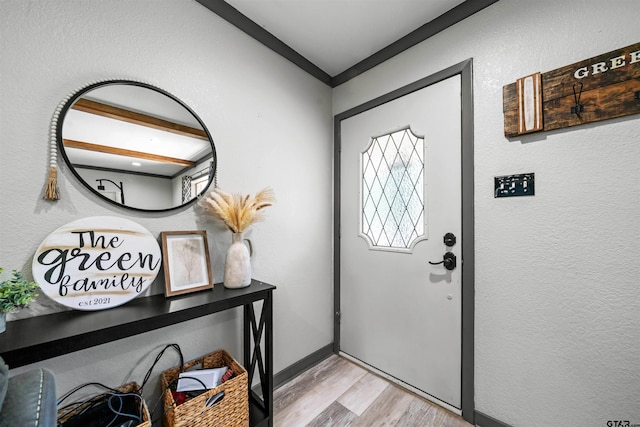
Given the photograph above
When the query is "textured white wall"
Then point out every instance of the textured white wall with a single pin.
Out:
(557, 307)
(271, 123)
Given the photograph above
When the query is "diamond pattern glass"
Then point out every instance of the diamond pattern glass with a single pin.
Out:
(393, 189)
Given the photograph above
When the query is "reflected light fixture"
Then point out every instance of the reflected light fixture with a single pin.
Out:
(119, 187)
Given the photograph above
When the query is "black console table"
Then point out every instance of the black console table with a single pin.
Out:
(38, 338)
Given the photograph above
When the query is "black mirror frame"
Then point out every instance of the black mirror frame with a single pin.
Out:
(69, 101)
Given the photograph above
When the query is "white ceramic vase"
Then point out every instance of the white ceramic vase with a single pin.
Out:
(237, 266)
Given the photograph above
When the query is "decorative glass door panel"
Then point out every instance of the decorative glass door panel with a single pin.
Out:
(392, 194)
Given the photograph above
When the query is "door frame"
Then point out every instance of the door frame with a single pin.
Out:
(465, 70)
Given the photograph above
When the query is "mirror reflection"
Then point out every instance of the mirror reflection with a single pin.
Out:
(136, 145)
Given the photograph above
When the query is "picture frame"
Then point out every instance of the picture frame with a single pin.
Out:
(186, 262)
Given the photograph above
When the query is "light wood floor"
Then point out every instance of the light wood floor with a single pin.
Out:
(338, 393)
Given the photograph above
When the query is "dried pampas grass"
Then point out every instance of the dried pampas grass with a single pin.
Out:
(237, 211)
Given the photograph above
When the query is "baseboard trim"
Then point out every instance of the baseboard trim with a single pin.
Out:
(484, 420)
(287, 374)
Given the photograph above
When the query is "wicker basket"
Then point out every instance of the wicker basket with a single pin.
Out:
(131, 387)
(231, 411)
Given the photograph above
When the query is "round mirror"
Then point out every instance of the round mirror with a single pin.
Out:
(136, 145)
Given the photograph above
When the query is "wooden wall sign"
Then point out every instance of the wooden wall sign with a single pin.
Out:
(96, 263)
(600, 88)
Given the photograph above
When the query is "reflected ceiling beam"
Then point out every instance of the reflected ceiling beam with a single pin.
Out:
(129, 116)
(70, 143)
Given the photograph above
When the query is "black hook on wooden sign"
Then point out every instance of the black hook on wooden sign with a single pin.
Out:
(579, 108)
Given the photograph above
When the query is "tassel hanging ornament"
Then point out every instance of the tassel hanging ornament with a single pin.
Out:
(51, 191)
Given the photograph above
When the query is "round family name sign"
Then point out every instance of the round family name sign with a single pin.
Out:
(96, 263)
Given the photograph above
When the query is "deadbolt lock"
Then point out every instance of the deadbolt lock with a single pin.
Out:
(449, 239)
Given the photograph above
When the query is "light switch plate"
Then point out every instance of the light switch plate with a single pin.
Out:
(514, 185)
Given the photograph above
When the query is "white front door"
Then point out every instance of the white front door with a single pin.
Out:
(400, 185)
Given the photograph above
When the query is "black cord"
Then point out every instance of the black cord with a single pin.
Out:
(85, 404)
(80, 387)
(174, 346)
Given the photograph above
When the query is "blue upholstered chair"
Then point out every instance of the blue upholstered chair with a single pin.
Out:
(27, 399)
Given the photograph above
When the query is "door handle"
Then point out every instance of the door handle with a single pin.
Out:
(448, 259)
